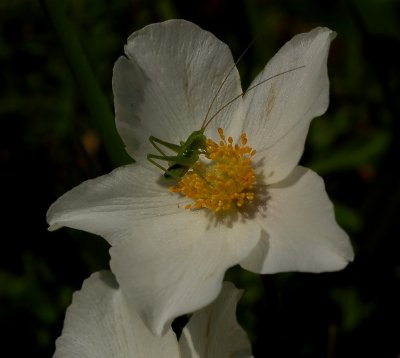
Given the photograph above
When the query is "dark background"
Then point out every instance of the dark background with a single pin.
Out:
(50, 141)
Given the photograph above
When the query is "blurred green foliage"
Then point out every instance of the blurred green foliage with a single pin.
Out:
(51, 141)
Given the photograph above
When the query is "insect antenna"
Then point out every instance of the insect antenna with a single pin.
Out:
(206, 123)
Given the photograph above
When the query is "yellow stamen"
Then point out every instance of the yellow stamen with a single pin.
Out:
(227, 181)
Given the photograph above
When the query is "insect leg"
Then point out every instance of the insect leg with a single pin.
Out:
(155, 141)
(152, 161)
(170, 158)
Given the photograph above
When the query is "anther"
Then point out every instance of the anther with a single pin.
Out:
(227, 181)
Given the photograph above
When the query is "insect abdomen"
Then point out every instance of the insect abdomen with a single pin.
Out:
(176, 171)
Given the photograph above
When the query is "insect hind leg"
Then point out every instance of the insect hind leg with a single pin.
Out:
(156, 141)
(152, 161)
(171, 159)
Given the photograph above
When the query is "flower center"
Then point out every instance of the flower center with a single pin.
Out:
(226, 181)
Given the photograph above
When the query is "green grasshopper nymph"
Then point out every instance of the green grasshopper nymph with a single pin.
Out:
(188, 152)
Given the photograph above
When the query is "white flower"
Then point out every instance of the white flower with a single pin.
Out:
(102, 323)
(170, 260)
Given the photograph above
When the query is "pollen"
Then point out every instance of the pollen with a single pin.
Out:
(226, 181)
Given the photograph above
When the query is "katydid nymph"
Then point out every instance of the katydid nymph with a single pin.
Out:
(188, 151)
(187, 154)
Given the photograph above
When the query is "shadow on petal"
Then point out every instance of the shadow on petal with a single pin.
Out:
(108, 279)
(255, 260)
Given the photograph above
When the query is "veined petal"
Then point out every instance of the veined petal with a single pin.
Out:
(101, 323)
(169, 261)
(214, 332)
(300, 232)
(168, 81)
(277, 113)
(111, 204)
(172, 265)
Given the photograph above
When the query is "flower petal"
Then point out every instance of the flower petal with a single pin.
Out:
(100, 323)
(300, 230)
(278, 112)
(169, 261)
(214, 331)
(109, 205)
(173, 265)
(168, 82)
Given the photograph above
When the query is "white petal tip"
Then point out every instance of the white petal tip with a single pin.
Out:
(54, 227)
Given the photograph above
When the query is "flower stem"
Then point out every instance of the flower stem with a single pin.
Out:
(96, 103)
